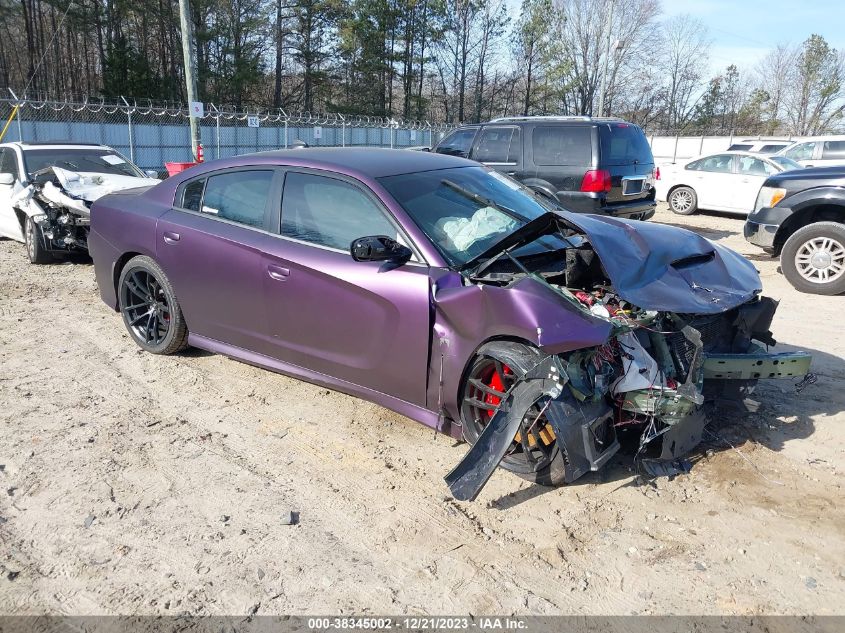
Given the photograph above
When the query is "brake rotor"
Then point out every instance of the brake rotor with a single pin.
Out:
(539, 430)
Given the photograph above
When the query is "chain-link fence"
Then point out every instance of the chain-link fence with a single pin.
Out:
(151, 135)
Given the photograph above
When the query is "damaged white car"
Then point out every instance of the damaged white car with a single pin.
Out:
(46, 191)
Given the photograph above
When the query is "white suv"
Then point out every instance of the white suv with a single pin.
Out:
(817, 151)
(760, 146)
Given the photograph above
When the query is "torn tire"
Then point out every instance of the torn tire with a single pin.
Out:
(535, 456)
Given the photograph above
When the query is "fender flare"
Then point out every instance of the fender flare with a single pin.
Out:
(542, 186)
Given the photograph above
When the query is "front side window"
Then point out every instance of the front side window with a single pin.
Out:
(750, 166)
(739, 147)
(329, 212)
(802, 151)
(458, 143)
(498, 145)
(721, 163)
(557, 145)
(239, 196)
(8, 163)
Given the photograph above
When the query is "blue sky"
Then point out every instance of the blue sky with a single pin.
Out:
(743, 31)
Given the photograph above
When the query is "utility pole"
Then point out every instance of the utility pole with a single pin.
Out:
(190, 67)
(603, 92)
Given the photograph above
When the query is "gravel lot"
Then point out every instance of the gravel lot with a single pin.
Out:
(136, 484)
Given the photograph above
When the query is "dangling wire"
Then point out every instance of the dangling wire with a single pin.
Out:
(47, 48)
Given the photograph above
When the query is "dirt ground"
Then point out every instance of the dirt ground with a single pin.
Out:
(138, 484)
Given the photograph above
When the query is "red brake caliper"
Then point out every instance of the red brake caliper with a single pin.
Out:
(495, 382)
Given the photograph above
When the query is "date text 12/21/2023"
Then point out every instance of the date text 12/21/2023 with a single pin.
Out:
(416, 623)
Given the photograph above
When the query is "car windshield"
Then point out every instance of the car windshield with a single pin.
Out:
(785, 163)
(97, 160)
(466, 210)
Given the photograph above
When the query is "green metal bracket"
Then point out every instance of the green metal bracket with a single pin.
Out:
(756, 365)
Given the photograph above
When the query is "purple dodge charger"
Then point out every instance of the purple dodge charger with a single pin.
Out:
(448, 293)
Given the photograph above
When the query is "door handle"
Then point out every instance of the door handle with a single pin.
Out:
(170, 237)
(510, 173)
(278, 273)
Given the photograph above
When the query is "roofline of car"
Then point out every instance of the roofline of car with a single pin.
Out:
(52, 144)
(563, 119)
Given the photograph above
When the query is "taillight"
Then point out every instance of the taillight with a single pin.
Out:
(657, 173)
(596, 181)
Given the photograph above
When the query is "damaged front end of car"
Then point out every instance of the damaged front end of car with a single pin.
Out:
(59, 202)
(685, 323)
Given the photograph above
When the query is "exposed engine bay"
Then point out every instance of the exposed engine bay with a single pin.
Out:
(649, 379)
(59, 201)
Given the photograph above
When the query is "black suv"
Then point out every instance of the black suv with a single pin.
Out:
(589, 165)
(800, 215)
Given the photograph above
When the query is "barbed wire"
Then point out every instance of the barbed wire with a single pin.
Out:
(222, 113)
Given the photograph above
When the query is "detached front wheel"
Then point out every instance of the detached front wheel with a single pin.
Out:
(534, 453)
(149, 307)
(813, 258)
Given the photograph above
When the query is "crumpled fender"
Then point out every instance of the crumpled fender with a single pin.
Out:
(22, 199)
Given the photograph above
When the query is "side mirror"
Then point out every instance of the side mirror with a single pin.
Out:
(379, 248)
(151, 173)
(7, 179)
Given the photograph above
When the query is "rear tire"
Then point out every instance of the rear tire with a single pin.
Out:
(34, 241)
(149, 307)
(813, 259)
(549, 469)
(683, 201)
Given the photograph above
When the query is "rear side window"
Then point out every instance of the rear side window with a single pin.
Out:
(833, 149)
(192, 195)
(239, 196)
(802, 151)
(498, 145)
(458, 143)
(623, 144)
(329, 212)
(562, 145)
(719, 163)
(771, 149)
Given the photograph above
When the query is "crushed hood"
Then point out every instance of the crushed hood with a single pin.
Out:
(661, 267)
(90, 186)
(653, 266)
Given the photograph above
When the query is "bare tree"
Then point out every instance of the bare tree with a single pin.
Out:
(579, 53)
(773, 76)
(685, 44)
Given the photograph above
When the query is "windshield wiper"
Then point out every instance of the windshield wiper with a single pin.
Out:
(475, 197)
